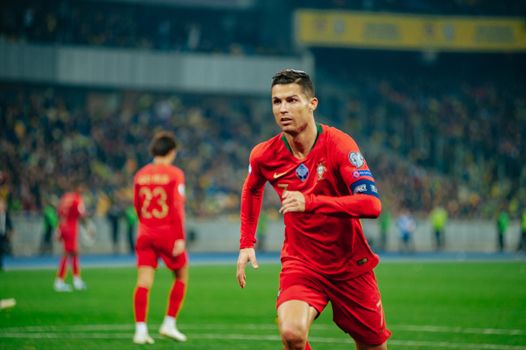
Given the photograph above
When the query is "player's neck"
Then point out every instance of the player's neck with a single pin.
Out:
(162, 161)
(301, 143)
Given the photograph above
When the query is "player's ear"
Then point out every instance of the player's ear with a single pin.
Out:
(313, 104)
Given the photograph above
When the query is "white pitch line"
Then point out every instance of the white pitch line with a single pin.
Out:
(257, 326)
(440, 329)
(201, 336)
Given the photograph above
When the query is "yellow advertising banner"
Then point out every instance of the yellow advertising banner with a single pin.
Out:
(408, 32)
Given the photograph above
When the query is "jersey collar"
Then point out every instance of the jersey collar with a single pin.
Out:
(319, 129)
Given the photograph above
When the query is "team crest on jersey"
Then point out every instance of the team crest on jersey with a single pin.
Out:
(356, 159)
(302, 172)
(320, 170)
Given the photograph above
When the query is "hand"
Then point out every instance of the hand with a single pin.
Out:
(179, 247)
(245, 255)
(293, 201)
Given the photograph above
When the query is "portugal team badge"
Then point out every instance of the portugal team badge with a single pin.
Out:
(320, 170)
(302, 172)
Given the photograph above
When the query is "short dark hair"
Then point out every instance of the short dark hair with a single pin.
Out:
(162, 143)
(294, 76)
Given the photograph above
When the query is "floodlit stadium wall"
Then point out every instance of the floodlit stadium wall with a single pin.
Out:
(142, 69)
(222, 235)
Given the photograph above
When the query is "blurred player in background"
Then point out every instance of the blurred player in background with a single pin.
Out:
(159, 201)
(6, 230)
(325, 187)
(71, 210)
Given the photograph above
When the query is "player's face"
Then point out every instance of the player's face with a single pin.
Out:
(292, 109)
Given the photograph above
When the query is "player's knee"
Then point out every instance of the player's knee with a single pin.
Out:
(294, 336)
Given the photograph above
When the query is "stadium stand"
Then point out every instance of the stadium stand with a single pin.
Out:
(433, 135)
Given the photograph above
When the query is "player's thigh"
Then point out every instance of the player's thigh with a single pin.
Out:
(304, 285)
(145, 276)
(146, 253)
(70, 244)
(296, 316)
(357, 310)
(181, 274)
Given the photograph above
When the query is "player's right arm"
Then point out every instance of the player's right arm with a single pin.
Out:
(251, 200)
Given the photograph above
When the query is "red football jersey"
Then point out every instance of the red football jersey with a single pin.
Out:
(159, 197)
(338, 188)
(71, 208)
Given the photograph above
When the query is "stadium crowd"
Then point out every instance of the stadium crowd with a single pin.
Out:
(456, 141)
(234, 29)
(427, 144)
(144, 26)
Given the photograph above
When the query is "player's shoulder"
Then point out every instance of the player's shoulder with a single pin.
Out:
(339, 138)
(266, 148)
(176, 172)
(143, 170)
(170, 170)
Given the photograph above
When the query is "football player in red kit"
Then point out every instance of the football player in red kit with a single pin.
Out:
(325, 186)
(71, 210)
(159, 199)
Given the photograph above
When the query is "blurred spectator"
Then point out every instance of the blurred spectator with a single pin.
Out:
(6, 232)
(438, 218)
(522, 239)
(384, 222)
(114, 216)
(131, 219)
(502, 227)
(406, 225)
(50, 218)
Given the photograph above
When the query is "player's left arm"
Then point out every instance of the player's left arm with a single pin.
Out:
(179, 197)
(363, 200)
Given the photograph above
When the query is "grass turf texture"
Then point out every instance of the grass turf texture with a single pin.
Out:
(431, 306)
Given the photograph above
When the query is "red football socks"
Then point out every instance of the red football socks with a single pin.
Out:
(62, 267)
(176, 298)
(140, 303)
(76, 265)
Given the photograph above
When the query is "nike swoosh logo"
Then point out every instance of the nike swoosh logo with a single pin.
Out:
(276, 175)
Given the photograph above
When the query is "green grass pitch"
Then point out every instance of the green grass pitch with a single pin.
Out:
(431, 306)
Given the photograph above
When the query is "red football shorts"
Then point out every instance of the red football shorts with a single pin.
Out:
(150, 248)
(356, 303)
(69, 240)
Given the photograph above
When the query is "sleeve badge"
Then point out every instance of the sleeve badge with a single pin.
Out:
(356, 159)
